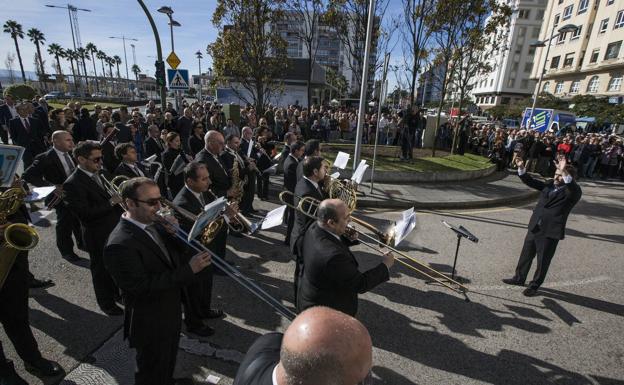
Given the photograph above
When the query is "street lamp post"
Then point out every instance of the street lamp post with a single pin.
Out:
(172, 23)
(160, 66)
(199, 57)
(563, 30)
(124, 38)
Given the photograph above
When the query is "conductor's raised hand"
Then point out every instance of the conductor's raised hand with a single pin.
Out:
(562, 162)
(200, 261)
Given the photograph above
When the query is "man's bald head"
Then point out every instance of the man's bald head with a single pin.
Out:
(214, 142)
(62, 141)
(330, 209)
(325, 346)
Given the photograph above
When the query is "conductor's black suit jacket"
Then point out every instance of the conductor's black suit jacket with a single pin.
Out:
(552, 209)
(150, 283)
(304, 188)
(219, 176)
(330, 273)
(290, 173)
(260, 360)
(90, 204)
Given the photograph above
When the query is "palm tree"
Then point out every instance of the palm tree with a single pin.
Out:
(72, 55)
(110, 61)
(37, 37)
(118, 62)
(136, 71)
(15, 29)
(102, 56)
(83, 55)
(58, 52)
(92, 49)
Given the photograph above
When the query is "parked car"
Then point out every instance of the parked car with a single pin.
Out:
(99, 95)
(53, 95)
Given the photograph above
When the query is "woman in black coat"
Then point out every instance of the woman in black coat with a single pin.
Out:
(196, 141)
(85, 127)
(169, 156)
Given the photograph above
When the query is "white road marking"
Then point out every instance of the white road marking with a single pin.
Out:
(601, 278)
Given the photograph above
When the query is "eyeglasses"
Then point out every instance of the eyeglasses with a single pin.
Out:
(96, 160)
(150, 202)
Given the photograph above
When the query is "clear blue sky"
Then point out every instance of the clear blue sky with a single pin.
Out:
(116, 18)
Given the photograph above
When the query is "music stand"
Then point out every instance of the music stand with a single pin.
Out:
(461, 232)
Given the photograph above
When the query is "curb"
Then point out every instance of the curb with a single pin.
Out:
(472, 204)
(402, 177)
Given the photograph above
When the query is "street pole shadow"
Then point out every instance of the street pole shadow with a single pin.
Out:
(591, 303)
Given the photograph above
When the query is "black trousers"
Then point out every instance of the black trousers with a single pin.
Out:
(290, 220)
(14, 314)
(156, 360)
(540, 246)
(4, 135)
(66, 224)
(263, 185)
(246, 204)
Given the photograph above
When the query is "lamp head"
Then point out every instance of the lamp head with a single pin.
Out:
(175, 23)
(568, 28)
(537, 43)
(166, 10)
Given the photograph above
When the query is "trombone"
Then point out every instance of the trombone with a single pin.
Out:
(309, 205)
(112, 186)
(230, 270)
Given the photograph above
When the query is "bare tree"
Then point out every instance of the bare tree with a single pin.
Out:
(8, 63)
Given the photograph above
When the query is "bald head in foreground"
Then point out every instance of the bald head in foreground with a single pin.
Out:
(321, 346)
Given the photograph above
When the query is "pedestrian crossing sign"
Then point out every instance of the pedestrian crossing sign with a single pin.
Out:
(178, 79)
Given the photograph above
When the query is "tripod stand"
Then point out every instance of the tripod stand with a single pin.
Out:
(461, 232)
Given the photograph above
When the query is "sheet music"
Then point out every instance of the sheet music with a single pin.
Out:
(358, 175)
(39, 193)
(335, 175)
(10, 157)
(341, 160)
(403, 228)
(274, 218)
(210, 213)
(407, 213)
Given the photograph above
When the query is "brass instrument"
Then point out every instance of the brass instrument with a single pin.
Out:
(17, 236)
(58, 198)
(110, 136)
(112, 186)
(309, 206)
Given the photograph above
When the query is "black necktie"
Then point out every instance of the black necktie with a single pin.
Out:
(69, 162)
(155, 235)
(27, 125)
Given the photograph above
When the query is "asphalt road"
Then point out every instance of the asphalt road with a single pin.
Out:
(423, 334)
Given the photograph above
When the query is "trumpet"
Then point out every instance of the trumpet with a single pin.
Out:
(309, 206)
(231, 271)
(56, 199)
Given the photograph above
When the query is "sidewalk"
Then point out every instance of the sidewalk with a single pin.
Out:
(500, 188)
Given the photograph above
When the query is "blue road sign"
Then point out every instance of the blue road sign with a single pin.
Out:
(178, 79)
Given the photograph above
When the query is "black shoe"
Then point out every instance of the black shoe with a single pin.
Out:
(71, 257)
(43, 367)
(112, 310)
(530, 292)
(213, 313)
(40, 283)
(11, 377)
(202, 331)
(513, 281)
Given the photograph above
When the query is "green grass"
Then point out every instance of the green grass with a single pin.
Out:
(88, 105)
(387, 159)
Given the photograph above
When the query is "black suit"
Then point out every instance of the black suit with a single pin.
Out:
(200, 292)
(195, 145)
(110, 159)
(154, 146)
(151, 285)
(174, 182)
(290, 182)
(264, 355)
(330, 275)
(246, 204)
(546, 226)
(47, 170)
(14, 307)
(219, 176)
(85, 130)
(125, 170)
(184, 126)
(304, 188)
(31, 140)
(5, 117)
(124, 135)
(90, 203)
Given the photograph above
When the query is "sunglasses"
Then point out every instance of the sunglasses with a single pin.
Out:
(150, 202)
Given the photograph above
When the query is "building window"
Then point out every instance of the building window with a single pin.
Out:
(575, 87)
(531, 51)
(528, 67)
(604, 24)
(594, 56)
(567, 12)
(514, 66)
(546, 88)
(615, 83)
(556, 23)
(619, 20)
(510, 82)
(613, 50)
(609, 2)
(560, 2)
(539, 15)
(592, 87)
(561, 38)
(521, 31)
(583, 4)
(535, 32)
(524, 13)
(559, 88)
(491, 82)
(576, 34)
(505, 100)
(555, 62)
(524, 84)
(568, 60)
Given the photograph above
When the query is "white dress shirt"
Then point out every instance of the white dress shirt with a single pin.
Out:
(66, 167)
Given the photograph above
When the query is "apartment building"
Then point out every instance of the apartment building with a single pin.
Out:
(512, 61)
(589, 61)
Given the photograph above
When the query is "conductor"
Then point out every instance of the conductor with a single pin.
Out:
(547, 224)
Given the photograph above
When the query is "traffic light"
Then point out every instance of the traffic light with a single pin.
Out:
(161, 79)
